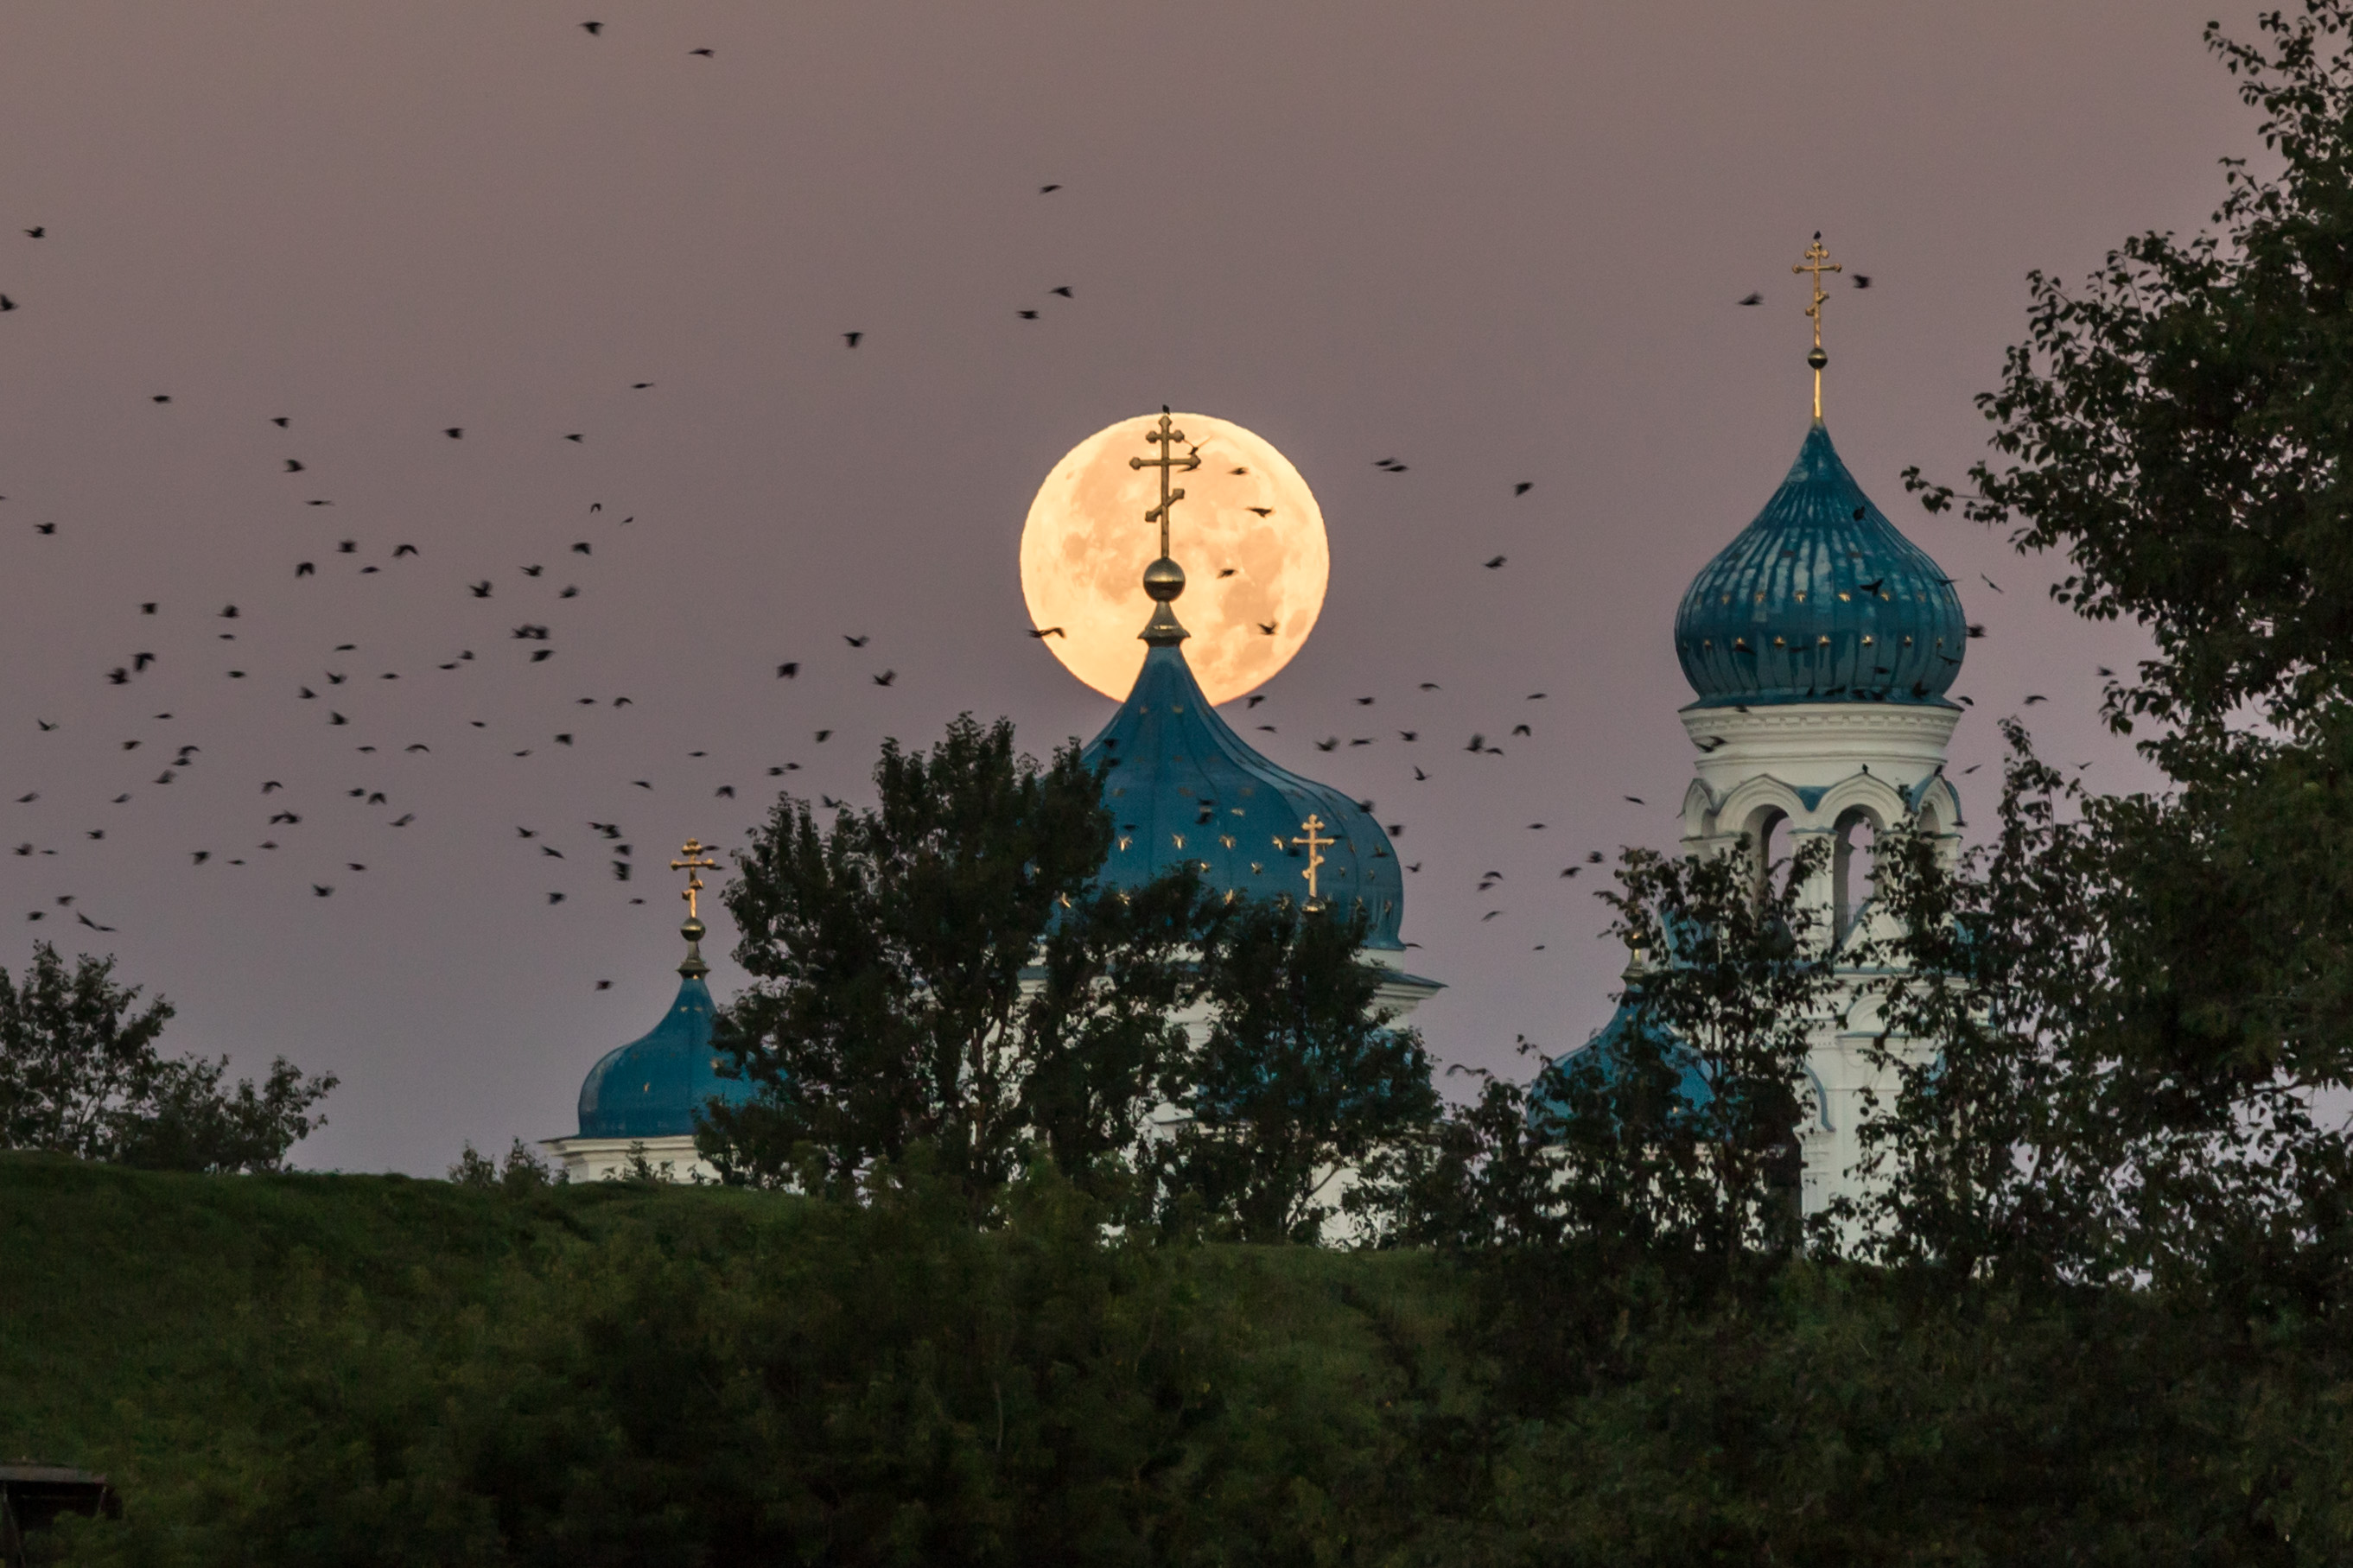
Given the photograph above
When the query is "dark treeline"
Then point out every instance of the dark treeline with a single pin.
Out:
(971, 1297)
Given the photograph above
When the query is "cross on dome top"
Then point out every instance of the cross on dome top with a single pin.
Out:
(1818, 261)
(697, 861)
(1164, 579)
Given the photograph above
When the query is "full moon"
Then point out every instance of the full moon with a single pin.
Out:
(1247, 533)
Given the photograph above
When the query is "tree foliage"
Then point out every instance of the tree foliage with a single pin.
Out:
(1302, 1076)
(2176, 427)
(888, 953)
(80, 1075)
(945, 973)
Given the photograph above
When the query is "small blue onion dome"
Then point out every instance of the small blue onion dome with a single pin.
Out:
(1182, 786)
(653, 1087)
(1821, 600)
(1628, 1037)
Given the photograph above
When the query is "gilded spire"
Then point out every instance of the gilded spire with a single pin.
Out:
(1818, 261)
(697, 860)
(1164, 579)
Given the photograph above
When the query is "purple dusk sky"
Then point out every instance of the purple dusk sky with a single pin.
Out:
(1498, 242)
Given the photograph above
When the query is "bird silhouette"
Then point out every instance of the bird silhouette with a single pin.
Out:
(1420, 777)
(293, 465)
(706, 54)
(305, 569)
(886, 678)
(1265, 626)
(1862, 279)
(783, 672)
(1478, 744)
(1637, 799)
(1976, 630)
(1064, 291)
(856, 642)
(1261, 510)
(592, 28)
(1041, 633)
(1027, 315)
(1523, 730)
(1754, 300)
(851, 338)
(1498, 561)
(2034, 697)
(45, 527)
(1523, 487)
(1327, 745)
(38, 231)
(1989, 582)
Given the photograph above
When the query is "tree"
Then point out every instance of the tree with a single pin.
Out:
(2175, 426)
(1300, 1079)
(1674, 1132)
(2036, 1138)
(80, 1075)
(941, 970)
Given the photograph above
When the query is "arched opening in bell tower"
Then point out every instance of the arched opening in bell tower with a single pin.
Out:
(1853, 869)
(1766, 843)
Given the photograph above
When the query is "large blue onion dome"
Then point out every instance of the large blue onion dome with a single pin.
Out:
(1820, 599)
(1182, 786)
(654, 1085)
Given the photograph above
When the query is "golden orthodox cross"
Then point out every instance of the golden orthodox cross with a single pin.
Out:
(1165, 439)
(1310, 829)
(1818, 261)
(698, 860)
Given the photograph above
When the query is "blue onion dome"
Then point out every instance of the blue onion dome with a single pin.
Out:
(1821, 600)
(653, 1087)
(1182, 786)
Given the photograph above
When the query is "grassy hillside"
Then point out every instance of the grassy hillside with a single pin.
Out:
(375, 1370)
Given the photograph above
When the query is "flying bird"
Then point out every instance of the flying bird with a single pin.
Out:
(2034, 697)
(293, 465)
(856, 642)
(305, 569)
(1989, 582)
(38, 231)
(1327, 745)
(1041, 633)
(1754, 300)
(1262, 511)
(1498, 561)
(1228, 571)
(479, 590)
(1523, 487)
(706, 54)
(1637, 799)
(1048, 190)
(575, 435)
(1976, 630)
(592, 28)
(1064, 291)
(851, 338)
(1862, 279)
(783, 672)
(51, 527)
(886, 678)
(1266, 626)
(1027, 315)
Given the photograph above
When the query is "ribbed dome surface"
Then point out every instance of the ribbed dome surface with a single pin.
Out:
(1821, 600)
(1184, 786)
(651, 1088)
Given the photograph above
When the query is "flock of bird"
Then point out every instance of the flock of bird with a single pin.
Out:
(517, 629)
